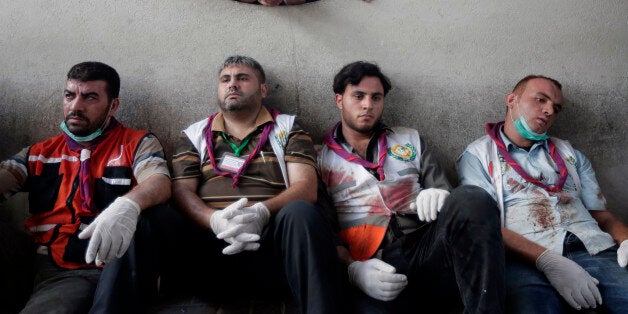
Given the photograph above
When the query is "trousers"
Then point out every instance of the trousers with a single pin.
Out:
(124, 285)
(455, 261)
(297, 257)
(529, 291)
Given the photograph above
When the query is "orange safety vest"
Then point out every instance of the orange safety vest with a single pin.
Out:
(54, 198)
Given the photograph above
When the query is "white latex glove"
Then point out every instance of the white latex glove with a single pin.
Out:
(112, 231)
(573, 283)
(377, 279)
(622, 254)
(247, 232)
(429, 202)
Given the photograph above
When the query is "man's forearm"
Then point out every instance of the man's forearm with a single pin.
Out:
(521, 247)
(609, 223)
(303, 186)
(188, 202)
(152, 191)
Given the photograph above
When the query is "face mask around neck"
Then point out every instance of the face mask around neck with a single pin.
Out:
(86, 138)
(524, 129)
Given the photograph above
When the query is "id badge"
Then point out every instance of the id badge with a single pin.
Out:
(230, 163)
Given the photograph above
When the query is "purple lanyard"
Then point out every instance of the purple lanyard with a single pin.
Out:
(381, 157)
(209, 139)
(493, 131)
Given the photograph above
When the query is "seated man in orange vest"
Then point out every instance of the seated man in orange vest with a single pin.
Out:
(86, 188)
(411, 243)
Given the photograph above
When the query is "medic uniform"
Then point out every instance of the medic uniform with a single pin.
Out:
(375, 202)
(69, 185)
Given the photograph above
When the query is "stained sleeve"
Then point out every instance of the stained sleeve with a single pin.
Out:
(592, 196)
(471, 172)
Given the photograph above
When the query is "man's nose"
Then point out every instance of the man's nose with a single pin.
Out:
(548, 108)
(76, 104)
(367, 103)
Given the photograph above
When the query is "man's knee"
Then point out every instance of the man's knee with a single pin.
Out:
(299, 212)
(473, 203)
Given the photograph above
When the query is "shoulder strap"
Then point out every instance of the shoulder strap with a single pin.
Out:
(195, 134)
(566, 151)
(279, 140)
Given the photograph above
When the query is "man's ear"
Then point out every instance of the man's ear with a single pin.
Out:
(263, 89)
(338, 98)
(115, 103)
(510, 100)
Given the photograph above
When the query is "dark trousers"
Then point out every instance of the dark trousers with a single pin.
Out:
(124, 285)
(457, 258)
(297, 256)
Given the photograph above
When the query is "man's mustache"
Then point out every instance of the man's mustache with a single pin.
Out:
(77, 114)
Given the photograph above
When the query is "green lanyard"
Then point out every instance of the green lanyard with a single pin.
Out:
(237, 149)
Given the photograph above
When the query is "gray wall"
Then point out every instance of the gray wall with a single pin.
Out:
(451, 63)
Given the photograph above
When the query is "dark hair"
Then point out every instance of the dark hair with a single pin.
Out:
(97, 71)
(247, 61)
(353, 73)
(521, 85)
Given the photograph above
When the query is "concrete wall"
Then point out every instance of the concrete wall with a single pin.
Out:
(450, 62)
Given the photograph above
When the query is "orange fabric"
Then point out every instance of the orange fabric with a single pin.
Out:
(363, 240)
(67, 211)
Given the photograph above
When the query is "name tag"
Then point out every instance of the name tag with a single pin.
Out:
(230, 163)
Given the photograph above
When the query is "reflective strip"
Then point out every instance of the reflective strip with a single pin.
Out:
(42, 250)
(44, 228)
(52, 160)
(342, 186)
(117, 181)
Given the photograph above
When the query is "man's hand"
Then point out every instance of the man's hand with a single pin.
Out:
(377, 279)
(112, 231)
(622, 254)
(246, 233)
(429, 202)
(573, 283)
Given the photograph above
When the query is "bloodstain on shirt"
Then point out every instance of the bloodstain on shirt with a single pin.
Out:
(541, 212)
(398, 195)
(514, 185)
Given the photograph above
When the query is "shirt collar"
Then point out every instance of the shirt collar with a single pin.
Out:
(371, 149)
(512, 146)
(264, 116)
(379, 128)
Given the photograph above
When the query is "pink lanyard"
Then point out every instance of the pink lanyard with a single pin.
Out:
(209, 139)
(381, 158)
(493, 131)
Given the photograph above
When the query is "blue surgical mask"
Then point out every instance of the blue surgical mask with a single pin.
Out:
(524, 129)
(86, 138)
